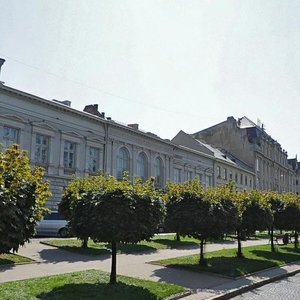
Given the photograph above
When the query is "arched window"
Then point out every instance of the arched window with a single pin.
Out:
(142, 170)
(158, 172)
(122, 162)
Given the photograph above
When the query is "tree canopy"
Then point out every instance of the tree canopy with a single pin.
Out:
(23, 194)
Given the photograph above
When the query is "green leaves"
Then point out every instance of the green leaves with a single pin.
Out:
(23, 195)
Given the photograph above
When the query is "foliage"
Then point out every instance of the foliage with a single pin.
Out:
(112, 211)
(200, 213)
(23, 194)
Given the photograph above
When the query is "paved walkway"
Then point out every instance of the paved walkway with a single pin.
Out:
(51, 261)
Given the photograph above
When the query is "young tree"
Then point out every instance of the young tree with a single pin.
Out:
(119, 212)
(289, 217)
(198, 213)
(23, 195)
(253, 215)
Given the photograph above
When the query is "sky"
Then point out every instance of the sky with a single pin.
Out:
(168, 65)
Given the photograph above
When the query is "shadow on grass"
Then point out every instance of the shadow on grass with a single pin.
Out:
(101, 291)
(282, 256)
(226, 266)
(137, 249)
(173, 244)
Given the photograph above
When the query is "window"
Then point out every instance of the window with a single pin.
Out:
(297, 182)
(41, 154)
(236, 177)
(246, 180)
(189, 175)
(257, 164)
(122, 162)
(218, 172)
(177, 175)
(10, 136)
(69, 155)
(158, 171)
(241, 179)
(208, 180)
(199, 176)
(230, 174)
(142, 170)
(94, 159)
(225, 174)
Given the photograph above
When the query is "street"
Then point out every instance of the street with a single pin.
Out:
(286, 289)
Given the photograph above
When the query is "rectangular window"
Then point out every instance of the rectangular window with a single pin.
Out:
(208, 180)
(236, 177)
(10, 136)
(93, 159)
(225, 174)
(199, 176)
(246, 180)
(297, 182)
(230, 175)
(41, 148)
(241, 179)
(177, 175)
(189, 175)
(218, 172)
(69, 155)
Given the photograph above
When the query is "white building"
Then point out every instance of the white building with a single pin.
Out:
(68, 142)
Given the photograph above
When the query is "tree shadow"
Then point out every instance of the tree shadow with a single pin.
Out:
(173, 244)
(99, 291)
(137, 249)
(57, 255)
(230, 267)
(286, 257)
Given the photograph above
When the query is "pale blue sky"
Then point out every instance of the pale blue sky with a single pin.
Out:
(165, 64)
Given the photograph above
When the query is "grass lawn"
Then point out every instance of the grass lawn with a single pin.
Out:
(226, 263)
(86, 285)
(8, 258)
(157, 242)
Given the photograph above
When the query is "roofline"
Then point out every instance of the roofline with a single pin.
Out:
(80, 113)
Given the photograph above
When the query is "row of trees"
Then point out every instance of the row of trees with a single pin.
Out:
(112, 211)
(108, 210)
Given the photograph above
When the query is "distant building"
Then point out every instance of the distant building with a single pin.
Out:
(258, 150)
(226, 166)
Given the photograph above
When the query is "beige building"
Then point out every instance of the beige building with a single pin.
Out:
(226, 167)
(253, 146)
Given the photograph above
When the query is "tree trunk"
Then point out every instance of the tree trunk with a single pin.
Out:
(84, 243)
(272, 238)
(177, 237)
(296, 239)
(239, 252)
(113, 273)
(202, 260)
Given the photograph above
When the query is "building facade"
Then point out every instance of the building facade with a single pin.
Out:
(68, 142)
(226, 167)
(253, 146)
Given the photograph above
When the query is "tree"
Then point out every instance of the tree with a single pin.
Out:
(23, 195)
(120, 212)
(253, 215)
(198, 213)
(288, 218)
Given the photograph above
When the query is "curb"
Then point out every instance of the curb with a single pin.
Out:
(179, 296)
(238, 291)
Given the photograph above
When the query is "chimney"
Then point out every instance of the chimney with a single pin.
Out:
(93, 109)
(2, 61)
(134, 126)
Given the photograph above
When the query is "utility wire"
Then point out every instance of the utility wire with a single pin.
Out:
(97, 89)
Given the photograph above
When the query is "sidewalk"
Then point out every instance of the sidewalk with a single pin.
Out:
(52, 261)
